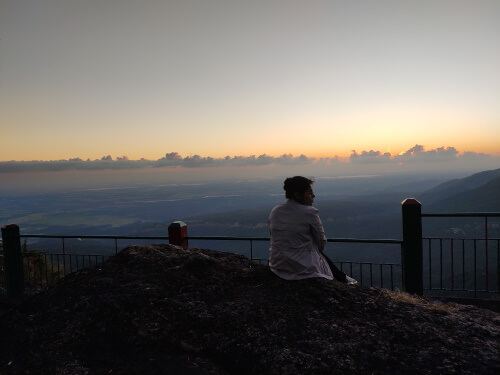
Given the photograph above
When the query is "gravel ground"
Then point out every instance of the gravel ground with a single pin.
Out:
(161, 309)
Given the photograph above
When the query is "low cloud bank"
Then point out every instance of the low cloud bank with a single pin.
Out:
(415, 154)
(172, 159)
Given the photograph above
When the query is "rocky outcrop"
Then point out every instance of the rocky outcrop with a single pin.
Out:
(161, 309)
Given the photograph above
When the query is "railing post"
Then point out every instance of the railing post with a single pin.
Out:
(14, 278)
(177, 234)
(413, 278)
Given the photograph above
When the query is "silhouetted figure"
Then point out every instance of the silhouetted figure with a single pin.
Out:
(298, 237)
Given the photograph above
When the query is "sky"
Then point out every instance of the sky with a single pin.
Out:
(359, 80)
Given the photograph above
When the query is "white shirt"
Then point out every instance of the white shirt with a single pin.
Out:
(297, 240)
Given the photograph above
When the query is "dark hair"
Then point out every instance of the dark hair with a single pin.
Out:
(297, 184)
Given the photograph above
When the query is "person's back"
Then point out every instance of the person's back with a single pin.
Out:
(297, 237)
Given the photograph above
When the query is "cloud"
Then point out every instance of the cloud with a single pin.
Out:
(288, 159)
(196, 161)
(416, 154)
(199, 161)
(471, 155)
(370, 157)
(172, 156)
(71, 164)
(172, 159)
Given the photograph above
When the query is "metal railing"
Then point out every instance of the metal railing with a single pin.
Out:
(385, 275)
(462, 264)
(45, 268)
(422, 267)
(374, 269)
(42, 269)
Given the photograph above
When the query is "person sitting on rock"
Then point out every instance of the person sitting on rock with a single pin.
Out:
(298, 237)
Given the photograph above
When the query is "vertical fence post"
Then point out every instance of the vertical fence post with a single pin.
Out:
(14, 278)
(177, 234)
(413, 278)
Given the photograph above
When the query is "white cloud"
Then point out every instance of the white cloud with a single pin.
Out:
(415, 155)
(418, 153)
(370, 157)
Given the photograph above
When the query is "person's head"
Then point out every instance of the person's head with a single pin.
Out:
(299, 189)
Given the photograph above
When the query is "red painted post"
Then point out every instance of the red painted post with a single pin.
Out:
(177, 234)
(413, 269)
(14, 274)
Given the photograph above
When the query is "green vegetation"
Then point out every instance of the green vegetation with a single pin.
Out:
(39, 270)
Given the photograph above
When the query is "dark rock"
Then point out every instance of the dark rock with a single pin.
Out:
(160, 309)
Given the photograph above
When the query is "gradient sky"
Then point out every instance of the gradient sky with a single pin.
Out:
(88, 78)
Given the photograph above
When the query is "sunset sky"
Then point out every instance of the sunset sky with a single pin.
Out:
(90, 78)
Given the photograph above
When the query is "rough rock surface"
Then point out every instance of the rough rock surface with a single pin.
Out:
(160, 309)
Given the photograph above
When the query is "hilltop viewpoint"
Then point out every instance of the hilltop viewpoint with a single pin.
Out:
(161, 309)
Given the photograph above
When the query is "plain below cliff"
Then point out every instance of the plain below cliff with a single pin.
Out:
(161, 309)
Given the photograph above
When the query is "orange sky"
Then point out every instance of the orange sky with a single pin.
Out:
(142, 79)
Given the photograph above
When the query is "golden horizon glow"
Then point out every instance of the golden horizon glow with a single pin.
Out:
(344, 153)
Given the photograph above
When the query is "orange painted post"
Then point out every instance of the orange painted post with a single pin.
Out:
(177, 234)
(413, 278)
(14, 274)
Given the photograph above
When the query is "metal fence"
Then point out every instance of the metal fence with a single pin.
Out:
(440, 265)
(44, 268)
(384, 275)
(463, 266)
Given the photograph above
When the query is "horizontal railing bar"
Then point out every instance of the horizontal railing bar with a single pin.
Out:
(460, 238)
(391, 241)
(227, 238)
(66, 255)
(464, 214)
(103, 237)
(221, 238)
(367, 263)
(358, 240)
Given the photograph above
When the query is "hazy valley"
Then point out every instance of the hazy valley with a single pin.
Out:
(366, 206)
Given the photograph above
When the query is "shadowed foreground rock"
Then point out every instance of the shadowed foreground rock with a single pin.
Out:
(160, 309)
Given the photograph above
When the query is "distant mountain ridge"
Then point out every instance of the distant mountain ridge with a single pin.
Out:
(479, 192)
(453, 189)
(485, 198)
(370, 216)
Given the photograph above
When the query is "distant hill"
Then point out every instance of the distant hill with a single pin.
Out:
(371, 216)
(445, 191)
(485, 198)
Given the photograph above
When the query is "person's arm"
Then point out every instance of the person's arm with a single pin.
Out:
(318, 233)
